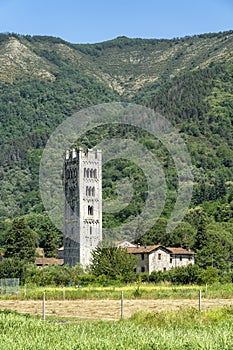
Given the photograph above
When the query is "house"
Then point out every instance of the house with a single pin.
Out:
(159, 258)
(124, 244)
(181, 256)
(40, 262)
(60, 253)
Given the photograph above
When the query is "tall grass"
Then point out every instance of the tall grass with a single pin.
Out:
(133, 291)
(180, 330)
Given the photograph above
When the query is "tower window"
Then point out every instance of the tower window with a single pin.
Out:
(95, 173)
(90, 210)
(93, 191)
(88, 191)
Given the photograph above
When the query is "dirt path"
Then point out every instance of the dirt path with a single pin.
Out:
(104, 309)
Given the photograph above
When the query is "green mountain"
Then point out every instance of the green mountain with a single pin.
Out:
(189, 80)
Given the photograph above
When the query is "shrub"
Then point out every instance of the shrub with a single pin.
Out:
(156, 276)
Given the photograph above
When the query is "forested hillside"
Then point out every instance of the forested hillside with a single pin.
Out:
(43, 80)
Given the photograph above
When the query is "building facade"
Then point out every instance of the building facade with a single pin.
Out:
(83, 205)
(159, 258)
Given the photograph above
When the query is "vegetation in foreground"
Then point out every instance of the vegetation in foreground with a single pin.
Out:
(183, 329)
(135, 290)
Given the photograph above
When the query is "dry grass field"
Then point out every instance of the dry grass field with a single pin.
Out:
(105, 309)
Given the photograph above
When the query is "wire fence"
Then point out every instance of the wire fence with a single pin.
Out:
(9, 286)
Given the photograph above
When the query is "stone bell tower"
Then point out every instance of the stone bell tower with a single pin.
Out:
(83, 205)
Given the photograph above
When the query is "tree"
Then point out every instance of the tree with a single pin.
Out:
(20, 241)
(113, 262)
(13, 268)
(51, 244)
(199, 220)
(183, 236)
(218, 249)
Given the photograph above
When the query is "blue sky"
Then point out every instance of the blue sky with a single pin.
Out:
(95, 21)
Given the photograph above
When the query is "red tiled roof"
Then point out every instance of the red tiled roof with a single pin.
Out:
(180, 251)
(144, 249)
(151, 248)
(49, 261)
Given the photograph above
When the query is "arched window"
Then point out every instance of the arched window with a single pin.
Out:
(87, 190)
(95, 173)
(91, 173)
(90, 210)
(93, 191)
(85, 172)
(88, 172)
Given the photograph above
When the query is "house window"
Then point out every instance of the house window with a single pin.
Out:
(170, 260)
(180, 258)
(164, 269)
(143, 269)
(159, 256)
(142, 256)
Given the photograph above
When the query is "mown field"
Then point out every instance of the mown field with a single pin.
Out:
(179, 330)
(104, 303)
(155, 317)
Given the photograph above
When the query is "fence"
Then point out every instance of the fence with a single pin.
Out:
(9, 285)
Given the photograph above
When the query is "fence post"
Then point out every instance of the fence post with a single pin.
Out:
(206, 290)
(25, 291)
(200, 301)
(43, 307)
(122, 305)
(64, 293)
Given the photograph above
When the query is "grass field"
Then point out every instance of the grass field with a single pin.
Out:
(105, 309)
(103, 303)
(132, 291)
(156, 317)
(178, 330)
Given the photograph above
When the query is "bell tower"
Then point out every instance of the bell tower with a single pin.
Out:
(83, 205)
